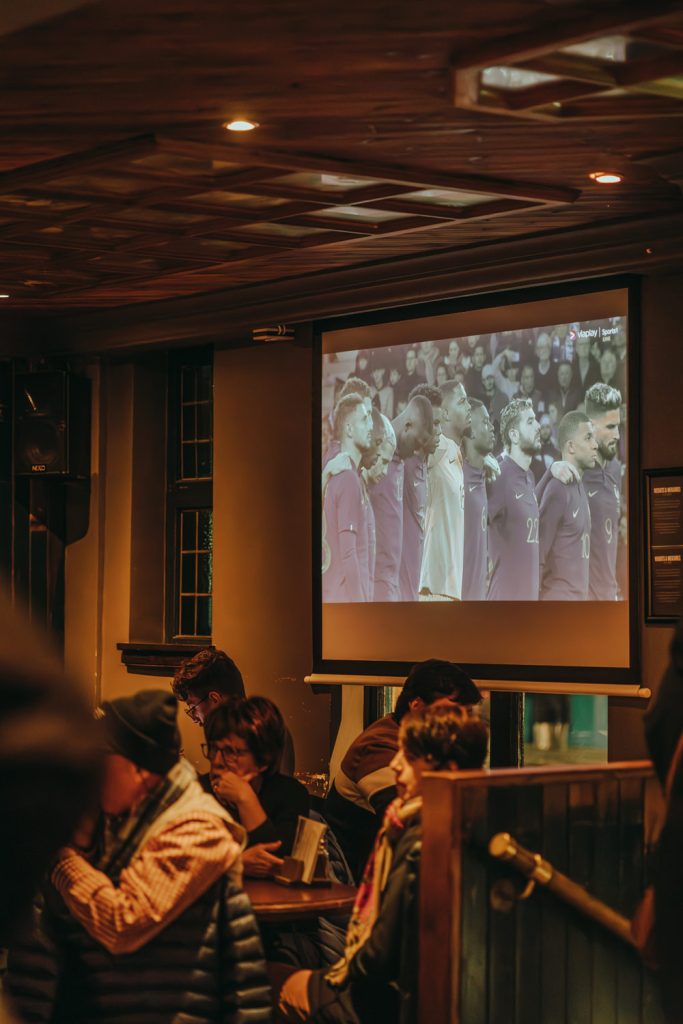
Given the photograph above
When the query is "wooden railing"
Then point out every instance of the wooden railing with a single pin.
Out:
(489, 957)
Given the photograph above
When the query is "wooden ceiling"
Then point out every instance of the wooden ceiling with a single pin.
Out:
(119, 184)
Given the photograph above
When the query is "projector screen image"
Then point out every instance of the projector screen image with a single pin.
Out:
(474, 485)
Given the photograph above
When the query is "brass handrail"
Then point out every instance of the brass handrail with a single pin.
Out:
(503, 847)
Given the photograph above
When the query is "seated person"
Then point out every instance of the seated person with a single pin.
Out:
(244, 743)
(207, 679)
(370, 980)
(127, 927)
(364, 785)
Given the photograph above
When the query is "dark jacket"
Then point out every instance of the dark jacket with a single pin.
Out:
(206, 967)
(382, 977)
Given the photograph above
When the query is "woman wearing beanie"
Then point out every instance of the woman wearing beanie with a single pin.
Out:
(141, 907)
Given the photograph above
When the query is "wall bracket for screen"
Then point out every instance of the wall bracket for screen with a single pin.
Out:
(499, 685)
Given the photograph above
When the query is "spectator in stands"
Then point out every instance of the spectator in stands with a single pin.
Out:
(608, 368)
(376, 978)
(428, 357)
(586, 367)
(441, 373)
(383, 397)
(546, 381)
(506, 373)
(362, 367)
(411, 377)
(494, 399)
(528, 389)
(452, 359)
(473, 382)
(364, 785)
(467, 347)
(244, 744)
(566, 395)
(548, 454)
(129, 926)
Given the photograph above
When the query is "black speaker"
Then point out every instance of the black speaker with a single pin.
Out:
(52, 425)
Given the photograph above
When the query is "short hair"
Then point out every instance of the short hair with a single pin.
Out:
(343, 409)
(448, 389)
(476, 404)
(601, 398)
(569, 424)
(377, 423)
(528, 366)
(565, 362)
(355, 386)
(444, 735)
(428, 391)
(257, 721)
(510, 417)
(432, 679)
(206, 671)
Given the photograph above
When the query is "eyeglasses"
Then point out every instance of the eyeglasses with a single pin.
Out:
(223, 754)
(191, 708)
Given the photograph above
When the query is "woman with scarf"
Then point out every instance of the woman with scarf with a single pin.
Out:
(370, 983)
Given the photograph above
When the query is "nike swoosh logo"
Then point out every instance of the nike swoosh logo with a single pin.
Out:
(452, 461)
(575, 514)
(472, 487)
(518, 496)
(591, 493)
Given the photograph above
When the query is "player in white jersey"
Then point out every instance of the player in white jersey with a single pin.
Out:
(442, 559)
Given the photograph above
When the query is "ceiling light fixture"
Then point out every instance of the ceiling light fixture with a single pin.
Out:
(240, 126)
(606, 177)
(4, 295)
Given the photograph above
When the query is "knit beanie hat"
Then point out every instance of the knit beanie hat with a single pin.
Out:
(143, 729)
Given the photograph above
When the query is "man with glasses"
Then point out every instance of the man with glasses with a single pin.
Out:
(208, 679)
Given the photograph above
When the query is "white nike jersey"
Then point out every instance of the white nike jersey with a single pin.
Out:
(442, 556)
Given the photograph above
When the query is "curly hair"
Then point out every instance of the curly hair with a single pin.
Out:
(206, 671)
(257, 721)
(601, 398)
(445, 735)
(511, 416)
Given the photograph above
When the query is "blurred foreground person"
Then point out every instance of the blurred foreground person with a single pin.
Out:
(376, 979)
(142, 915)
(49, 766)
(664, 734)
(365, 784)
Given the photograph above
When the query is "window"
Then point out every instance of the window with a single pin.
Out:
(189, 510)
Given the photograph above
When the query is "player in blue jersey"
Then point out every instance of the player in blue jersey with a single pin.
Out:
(565, 518)
(603, 406)
(513, 509)
(476, 447)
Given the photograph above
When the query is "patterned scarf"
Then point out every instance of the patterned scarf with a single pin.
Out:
(398, 816)
(123, 836)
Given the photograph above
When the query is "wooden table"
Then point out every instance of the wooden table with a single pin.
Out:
(272, 902)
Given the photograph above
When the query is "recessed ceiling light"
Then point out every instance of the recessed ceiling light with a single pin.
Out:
(240, 126)
(606, 177)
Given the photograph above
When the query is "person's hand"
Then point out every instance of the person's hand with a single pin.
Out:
(260, 862)
(491, 468)
(231, 788)
(565, 472)
(82, 838)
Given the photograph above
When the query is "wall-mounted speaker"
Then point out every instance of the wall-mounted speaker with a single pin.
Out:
(52, 425)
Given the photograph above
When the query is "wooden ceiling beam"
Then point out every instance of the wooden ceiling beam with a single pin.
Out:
(418, 177)
(86, 160)
(585, 25)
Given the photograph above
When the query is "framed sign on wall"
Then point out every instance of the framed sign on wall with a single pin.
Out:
(664, 544)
